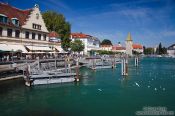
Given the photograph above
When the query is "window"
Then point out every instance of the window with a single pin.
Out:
(39, 36)
(15, 21)
(1, 31)
(36, 26)
(9, 32)
(17, 33)
(27, 35)
(44, 37)
(33, 35)
(37, 16)
(3, 18)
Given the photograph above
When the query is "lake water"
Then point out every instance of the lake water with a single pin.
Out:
(100, 93)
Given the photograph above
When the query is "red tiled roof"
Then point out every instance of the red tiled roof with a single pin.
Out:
(12, 12)
(53, 34)
(137, 46)
(116, 47)
(80, 35)
(105, 45)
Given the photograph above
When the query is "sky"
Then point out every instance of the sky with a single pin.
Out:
(149, 21)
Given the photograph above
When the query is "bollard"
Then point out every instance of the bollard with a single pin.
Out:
(77, 70)
(124, 67)
(136, 61)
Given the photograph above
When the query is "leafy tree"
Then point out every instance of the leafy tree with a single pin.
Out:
(148, 51)
(77, 46)
(56, 22)
(106, 42)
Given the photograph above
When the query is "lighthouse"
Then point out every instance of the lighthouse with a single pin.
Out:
(129, 44)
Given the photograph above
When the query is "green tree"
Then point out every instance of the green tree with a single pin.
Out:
(56, 22)
(106, 42)
(161, 50)
(77, 46)
(148, 51)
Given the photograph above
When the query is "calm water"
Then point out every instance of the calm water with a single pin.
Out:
(101, 93)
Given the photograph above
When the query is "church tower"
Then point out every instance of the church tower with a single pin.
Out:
(129, 43)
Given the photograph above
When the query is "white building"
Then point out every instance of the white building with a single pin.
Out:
(106, 47)
(23, 28)
(118, 48)
(171, 50)
(90, 42)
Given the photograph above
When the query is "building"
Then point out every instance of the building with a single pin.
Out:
(24, 29)
(138, 48)
(90, 42)
(118, 48)
(129, 44)
(54, 37)
(106, 47)
(131, 47)
(171, 50)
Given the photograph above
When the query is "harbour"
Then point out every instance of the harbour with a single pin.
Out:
(101, 92)
(87, 58)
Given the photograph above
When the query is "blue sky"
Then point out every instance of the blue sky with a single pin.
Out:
(149, 21)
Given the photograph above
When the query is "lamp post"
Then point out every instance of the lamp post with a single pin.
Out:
(55, 55)
(12, 55)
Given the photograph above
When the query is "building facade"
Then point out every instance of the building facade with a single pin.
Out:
(25, 29)
(90, 42)
(132, 47)
(118, 48)
(106, 47)
(129, 44)
(171, 50)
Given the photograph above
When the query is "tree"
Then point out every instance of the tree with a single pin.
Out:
(161, 50)
(77, 46)
(148, 51)
(56, 22)
(106, 42)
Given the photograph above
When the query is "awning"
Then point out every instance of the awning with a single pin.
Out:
(60, 49)
(4, 47)
(39, 48)
(12, 47)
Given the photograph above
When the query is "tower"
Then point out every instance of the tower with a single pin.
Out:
(129, 43)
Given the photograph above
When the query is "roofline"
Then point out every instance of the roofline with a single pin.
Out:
(16, 7)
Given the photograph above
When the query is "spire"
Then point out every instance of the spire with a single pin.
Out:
(129, 38)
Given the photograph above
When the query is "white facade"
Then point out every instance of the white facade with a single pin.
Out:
(106, 47)
(129, 44)
(171, 50)
(29, 32)
(90, 43)
(129, 47)
(35, 18)
(138, 50)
